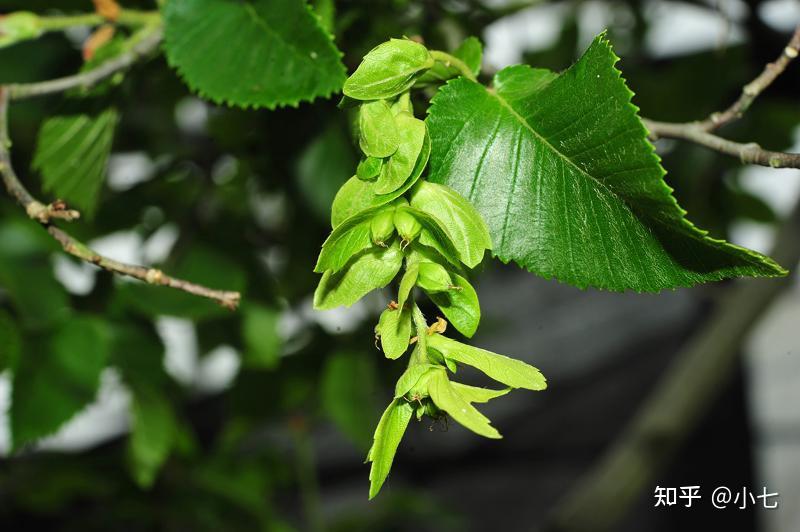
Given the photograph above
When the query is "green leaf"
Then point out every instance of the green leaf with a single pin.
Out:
(346, 240)
(26, 275)
(139, 355)
(407, 283)
(410, 157)
(261, 340)
(460, 305)
(378, 132)
(447, 398)
(373, 268)
(57, 378)
(261, 53)
(474, 394)
(464, 224)
(387, 70)
(394, 328)
(509, 371)
(369, 168)
(348, 394)
(153, 434)
(72, 153)
(471, 52)
(411, 378)
(387, 437)
(10, 342)
(568, 184)
(357, 195)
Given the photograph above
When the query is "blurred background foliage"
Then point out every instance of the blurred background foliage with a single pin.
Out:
(226, 421)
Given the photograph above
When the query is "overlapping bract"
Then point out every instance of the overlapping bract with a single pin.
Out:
(385, 216)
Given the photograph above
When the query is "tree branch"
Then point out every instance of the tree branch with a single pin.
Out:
(750, 153)
(699, 132)
(44, 214)
(677, 405)
(149, 41)
(751, 91)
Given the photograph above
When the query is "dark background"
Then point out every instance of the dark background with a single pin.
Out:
(283, 448)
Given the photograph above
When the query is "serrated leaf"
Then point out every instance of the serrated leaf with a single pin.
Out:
(387, 437)
(351, 408)
(153, 433)
(459, 305)
(562, 172)
(474, 394)
(261, 53)
(471, 52)
(10, 342)
(369, 168)
(411, 155)
(509, 371)
(464, 224)
(57, 377)
(346, 240)
(261, 339)
(378, 132)
(387, 70)
(357, 195)
(447, 398)
(394, 328)
(72, 153)
(373, 268)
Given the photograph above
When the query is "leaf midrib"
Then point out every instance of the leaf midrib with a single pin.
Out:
(521, 119)
(682, 221)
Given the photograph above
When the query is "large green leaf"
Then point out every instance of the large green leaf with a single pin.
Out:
(562, 172)
(72, 153)
(55, 379)
(259, 53)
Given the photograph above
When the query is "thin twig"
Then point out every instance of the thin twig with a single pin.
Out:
(44, 214)
(677, 405)
(699, 131)
(751, 91)
(750, 153)
(84, 80)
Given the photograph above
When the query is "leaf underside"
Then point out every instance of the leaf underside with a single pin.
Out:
(264, 53)
(561, 170)
(72, 154)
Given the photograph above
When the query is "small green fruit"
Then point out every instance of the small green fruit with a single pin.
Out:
(433, 277)
(381, 227)
(408, 227)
